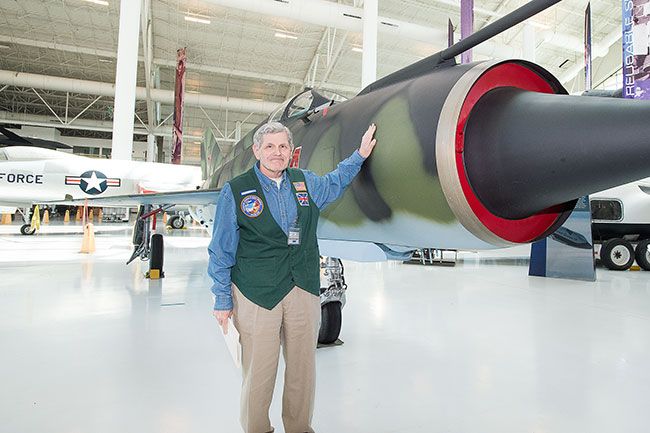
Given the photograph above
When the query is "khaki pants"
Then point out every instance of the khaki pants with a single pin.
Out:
(294, 323)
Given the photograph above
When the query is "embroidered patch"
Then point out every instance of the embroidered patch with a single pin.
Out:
(303, 198)
(300, 186)
(250, 191)
(252, 206)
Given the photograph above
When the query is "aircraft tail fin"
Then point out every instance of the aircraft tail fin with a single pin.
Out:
(208, 153)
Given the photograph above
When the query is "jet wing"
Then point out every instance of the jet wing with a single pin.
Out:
(190, 198)
(13, 139)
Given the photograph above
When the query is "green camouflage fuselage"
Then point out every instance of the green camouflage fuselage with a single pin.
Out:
(396, 199)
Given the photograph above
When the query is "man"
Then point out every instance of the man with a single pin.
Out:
(264, 261)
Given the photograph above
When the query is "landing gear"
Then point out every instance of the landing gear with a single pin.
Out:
(642, 254)
(176, 222)
(146, 246)
(332, 300)
(27, 230)
(617, 254)
(157, 256)
(330, 322)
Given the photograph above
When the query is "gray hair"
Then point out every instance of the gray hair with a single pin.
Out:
(270, 128)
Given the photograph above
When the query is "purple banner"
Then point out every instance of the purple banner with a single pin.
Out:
(588, 75)
(466, 26)
(636, 62)
(179, 102)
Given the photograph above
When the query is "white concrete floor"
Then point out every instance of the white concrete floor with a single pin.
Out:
(88, 345)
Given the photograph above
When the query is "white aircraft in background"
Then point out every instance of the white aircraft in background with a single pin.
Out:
(32, 175)
(621, 224)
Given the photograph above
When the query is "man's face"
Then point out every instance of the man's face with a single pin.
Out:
(274, 153)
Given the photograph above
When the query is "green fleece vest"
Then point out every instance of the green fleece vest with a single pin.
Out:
(266, 267)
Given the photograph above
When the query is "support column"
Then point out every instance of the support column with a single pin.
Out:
(151, 148)
(237, 131)
(160, 141)
(125, 79)
(369, 56)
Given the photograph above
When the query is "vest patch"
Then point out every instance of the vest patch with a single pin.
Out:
(300, 186)
(303, 198)
(252, 206)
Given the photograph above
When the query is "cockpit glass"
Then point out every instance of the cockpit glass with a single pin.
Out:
(300, 105)
(332, 96)
(303, 102)
(276, 115)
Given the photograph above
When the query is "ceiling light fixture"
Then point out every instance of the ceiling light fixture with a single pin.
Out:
(283, 35)
(98, 2)
(357, 49)
(196, 18)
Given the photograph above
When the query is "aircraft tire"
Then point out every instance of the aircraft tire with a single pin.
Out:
(157, 252)
(330, 323)
(617, 254)
(176, 222)
(642, 254)
(27, 230)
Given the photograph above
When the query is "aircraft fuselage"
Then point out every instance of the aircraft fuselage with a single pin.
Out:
(24, 182)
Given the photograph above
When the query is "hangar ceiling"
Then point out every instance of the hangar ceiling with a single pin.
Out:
(236, 51)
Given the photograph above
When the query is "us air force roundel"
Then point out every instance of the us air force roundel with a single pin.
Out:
(93, 182)
(252, 206)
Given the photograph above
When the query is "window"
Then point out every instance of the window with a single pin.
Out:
(300, 105)
(83, 150)
(606, 210)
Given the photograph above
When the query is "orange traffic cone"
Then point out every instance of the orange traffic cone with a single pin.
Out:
(100, 215)
(165, 217)
(66, 218)
(6, 218)
(79, 212)
(46, 217)
(91, 215)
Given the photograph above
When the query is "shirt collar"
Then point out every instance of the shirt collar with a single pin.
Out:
(265, 181)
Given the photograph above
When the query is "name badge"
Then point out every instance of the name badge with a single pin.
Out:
(294, 235)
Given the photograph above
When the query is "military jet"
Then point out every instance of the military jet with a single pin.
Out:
(33, 175)
(469, 156)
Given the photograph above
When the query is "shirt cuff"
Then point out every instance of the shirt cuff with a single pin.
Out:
(223, 302)
(357, 158)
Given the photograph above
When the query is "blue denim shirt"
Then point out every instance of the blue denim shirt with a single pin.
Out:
(225, 233)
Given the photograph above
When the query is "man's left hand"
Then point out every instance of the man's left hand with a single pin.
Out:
(367, 142)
